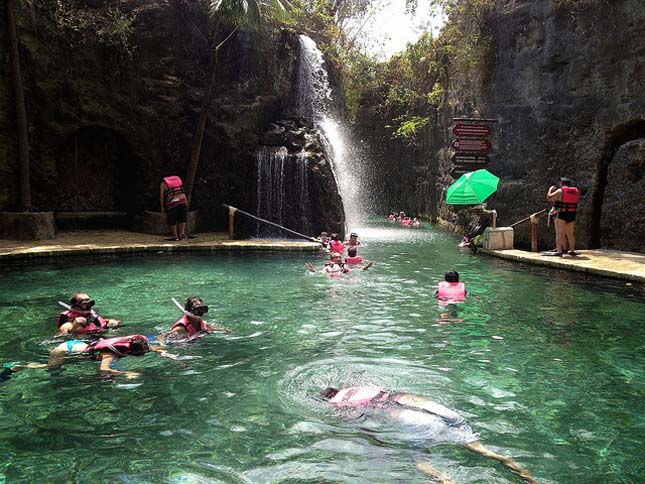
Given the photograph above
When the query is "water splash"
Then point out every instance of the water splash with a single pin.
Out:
(271, 189)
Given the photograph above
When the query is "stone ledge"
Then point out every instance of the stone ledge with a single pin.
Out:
(27, 225)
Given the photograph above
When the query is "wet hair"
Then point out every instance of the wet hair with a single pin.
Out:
(451, 276)
(333, 255)
(324, 234)
(193, 302)
(565, 181)
(76, 298)
(335, 236)
(351, 251)
(139, 346)
(328, 393)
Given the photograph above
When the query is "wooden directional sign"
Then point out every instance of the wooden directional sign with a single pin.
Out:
(482, 146)
(472, 130)
(459, 170)
(469, 159)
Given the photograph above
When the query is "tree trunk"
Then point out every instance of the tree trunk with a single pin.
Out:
(196, 150)
(21, 111)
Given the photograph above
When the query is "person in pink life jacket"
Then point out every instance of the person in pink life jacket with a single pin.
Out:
(335, 244)
(173, 201)
(426, 421)
(81, 318)
(107, 350)
(335, 267)
(450, 290)
(352, 257)
(353, 240)
(192, 325)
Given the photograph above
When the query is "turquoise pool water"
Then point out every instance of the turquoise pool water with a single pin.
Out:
(546, 365)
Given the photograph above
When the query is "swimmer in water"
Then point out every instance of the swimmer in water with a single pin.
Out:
(335, 266)
(81, 317)
(192, 325)
(432, 421)
(108, 351)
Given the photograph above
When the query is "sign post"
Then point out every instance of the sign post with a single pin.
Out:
(471, 144)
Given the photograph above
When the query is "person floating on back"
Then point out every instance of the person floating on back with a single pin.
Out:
(450, 290)
(173, 201)
(81, 318)
(426, 419)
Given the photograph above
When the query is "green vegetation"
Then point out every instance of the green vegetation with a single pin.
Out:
(410, 89)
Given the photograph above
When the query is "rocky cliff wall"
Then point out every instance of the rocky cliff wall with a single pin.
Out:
(110, 114)
(567, 89)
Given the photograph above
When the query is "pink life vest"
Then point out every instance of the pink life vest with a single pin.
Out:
(95, 323)
(336, 246)
(184, 323)
(406, 222)
(120, 346)
(452, 291)
(570, 198)
(174, 194)
(361, 397)
(354, 260)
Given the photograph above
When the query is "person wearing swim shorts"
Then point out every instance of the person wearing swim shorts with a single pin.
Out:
(427, 419)
(173, 201)
(108, 351)
(565, 204)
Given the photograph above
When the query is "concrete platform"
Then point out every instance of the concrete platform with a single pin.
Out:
(80, 242)
(629, 266)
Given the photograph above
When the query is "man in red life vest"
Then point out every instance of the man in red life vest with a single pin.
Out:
(81, 318)
(565, 203)
(173, 201)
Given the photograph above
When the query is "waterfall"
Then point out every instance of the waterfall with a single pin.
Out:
(282, 191)
(271, 189)
(312, 100)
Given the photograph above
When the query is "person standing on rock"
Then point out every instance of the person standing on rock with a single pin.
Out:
(565, 203)
(173, 201)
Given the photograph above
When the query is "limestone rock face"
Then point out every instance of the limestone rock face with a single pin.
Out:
(110, 115)
(623, 218)
(295, 185)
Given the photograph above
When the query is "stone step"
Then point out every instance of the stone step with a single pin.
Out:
(92, 220)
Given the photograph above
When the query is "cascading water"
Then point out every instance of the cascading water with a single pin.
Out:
(312, 102)
(282, 190)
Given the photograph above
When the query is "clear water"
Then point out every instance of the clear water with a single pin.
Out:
(546, 365)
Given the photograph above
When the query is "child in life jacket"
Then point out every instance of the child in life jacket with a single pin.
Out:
(81, 318)
(353, 258)
(450, 290)
(324, 240)
(335, 266)
(335, 244)
(108, 351)
(353, 240)
(192, 325)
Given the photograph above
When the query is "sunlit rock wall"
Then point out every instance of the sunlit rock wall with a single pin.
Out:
(568, 90)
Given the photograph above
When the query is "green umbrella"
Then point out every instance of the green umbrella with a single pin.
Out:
(472, 188)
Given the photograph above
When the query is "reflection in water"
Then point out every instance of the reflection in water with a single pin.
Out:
(545, 365)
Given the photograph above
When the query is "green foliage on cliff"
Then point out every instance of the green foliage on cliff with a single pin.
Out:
(73, 23)
(406, 92)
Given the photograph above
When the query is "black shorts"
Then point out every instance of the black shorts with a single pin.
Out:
(176, 215)
(567, 217)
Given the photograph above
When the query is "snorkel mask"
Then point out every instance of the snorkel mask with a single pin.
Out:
(84, 304)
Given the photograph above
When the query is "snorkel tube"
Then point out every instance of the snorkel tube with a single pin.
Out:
(181, 308)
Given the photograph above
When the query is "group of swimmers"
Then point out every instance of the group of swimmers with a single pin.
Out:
(336, 266)
(404, 220)
(422, 417)
(86, 328)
